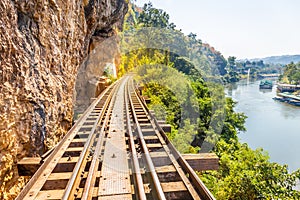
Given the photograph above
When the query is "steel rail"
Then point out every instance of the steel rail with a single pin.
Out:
(193, 177)
(131, 99)
(137, 171)
(77, 169)
(57, 153)
(90, 181)
(194, 194)
(156, 182)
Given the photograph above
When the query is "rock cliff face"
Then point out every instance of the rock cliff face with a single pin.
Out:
(103, 58)
(42, 45)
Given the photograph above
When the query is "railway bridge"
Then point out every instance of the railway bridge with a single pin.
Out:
(117, 150)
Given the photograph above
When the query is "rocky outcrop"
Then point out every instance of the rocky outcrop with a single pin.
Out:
(102, 59)
(42, 45)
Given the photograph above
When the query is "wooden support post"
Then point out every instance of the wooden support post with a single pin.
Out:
(166, 128)
(147, 100)
(141, 88)
(202, 161)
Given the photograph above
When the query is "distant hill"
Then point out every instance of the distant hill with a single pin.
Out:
(286, 59)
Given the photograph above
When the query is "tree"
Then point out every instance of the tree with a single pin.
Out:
(291, 73)
(244, 173)
(152, 17)
(231, 63)
(260, 63)
(234, 122)
(248, 174)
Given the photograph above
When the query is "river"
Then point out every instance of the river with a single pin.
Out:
(272, 125)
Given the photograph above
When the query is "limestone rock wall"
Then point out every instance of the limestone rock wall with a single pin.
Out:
(103, 56)
(42, 45)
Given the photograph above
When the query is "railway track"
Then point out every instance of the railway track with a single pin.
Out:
(116, 150)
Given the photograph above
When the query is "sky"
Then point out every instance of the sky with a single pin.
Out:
(240, 28)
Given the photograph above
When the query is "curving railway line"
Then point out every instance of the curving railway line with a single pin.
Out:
(116, 150)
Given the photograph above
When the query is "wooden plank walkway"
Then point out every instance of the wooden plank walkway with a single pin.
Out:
(115, 177)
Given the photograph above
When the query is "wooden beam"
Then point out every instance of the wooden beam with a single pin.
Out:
(28, 166)
(173, 186)
(202, 161)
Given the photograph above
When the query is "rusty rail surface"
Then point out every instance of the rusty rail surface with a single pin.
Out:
(116, 150)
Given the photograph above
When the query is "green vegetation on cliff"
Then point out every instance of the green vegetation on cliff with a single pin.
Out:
(248, 174)
(182, 78)
(291, 74)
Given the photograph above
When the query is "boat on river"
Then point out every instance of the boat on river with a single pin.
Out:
(281, 99)
(288, 98)
(294, 102)
(266, 84)
(287, 87)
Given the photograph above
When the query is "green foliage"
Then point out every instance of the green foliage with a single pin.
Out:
(248, 174)
(231, 63)
(205, 58)
(291, 74)
(152, 17)
(155, 34)
(179, 74)
(183, 138)
(164, 103)
(234, 122)
(232, 75)
(185, 66)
